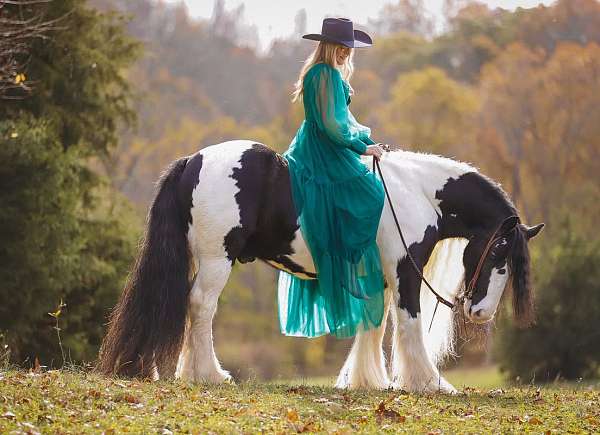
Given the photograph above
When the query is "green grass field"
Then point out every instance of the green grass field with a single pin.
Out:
(77, 402)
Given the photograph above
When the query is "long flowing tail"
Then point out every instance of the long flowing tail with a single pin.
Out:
(146, 327)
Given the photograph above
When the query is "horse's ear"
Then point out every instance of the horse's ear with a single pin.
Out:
(509, 224)
(531, 232)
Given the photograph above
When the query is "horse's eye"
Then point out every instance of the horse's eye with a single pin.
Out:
(500, 243)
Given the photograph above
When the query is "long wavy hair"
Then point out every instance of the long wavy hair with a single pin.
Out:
(324, 52)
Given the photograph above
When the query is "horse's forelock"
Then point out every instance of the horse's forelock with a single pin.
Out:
(519, 263)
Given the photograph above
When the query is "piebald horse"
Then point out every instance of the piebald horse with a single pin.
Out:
(232, 202)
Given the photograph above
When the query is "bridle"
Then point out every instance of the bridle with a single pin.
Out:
(468, 293)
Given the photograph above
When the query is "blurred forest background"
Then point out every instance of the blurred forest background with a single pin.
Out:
(97, 97)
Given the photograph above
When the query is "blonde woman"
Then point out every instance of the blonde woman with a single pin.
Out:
(338, 199)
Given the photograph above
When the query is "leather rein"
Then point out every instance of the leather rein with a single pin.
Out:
(472, 283)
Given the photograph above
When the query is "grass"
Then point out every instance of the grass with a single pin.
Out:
(71, 402)
(485, 377)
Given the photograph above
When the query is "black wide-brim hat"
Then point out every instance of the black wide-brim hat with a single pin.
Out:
(341, 31)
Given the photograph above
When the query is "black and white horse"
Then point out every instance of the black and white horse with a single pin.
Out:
(232, 201)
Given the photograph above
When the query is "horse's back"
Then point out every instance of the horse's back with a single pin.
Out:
(240, 201)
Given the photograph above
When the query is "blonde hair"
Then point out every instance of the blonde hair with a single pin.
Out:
(323, 53)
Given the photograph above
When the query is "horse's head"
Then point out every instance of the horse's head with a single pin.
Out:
(492, 261)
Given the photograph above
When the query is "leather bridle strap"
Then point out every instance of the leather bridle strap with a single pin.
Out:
(439, 298)
(484, 254)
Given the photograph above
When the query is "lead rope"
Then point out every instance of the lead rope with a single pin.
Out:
(439, 298)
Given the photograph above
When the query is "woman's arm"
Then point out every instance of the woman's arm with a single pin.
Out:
(332, 112)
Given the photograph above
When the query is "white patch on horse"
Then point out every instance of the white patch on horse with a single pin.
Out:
(214, 208)
(485, 310)
(301, 254)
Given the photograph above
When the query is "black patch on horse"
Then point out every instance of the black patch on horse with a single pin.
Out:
(469, 201)
(409, 282)
(187, 183)
(268, 218)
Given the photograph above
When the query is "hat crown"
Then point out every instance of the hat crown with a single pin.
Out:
(340, 28)
(341, 31)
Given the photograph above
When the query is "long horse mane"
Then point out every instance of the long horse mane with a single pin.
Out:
(519, 263)
(445, 270)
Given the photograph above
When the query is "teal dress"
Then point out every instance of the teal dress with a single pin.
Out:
(339, 203)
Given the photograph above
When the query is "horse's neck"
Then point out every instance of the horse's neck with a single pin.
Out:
(462, 197)
(423, 173)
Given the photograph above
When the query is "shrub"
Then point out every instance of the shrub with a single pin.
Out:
(565, 341)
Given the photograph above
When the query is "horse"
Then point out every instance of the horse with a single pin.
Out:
(232, 202)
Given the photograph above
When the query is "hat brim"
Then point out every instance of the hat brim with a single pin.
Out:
(361, 39)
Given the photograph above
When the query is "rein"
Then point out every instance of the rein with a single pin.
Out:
(472, 283)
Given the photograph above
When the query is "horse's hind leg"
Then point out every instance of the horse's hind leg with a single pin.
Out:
(365, 364)
(198, 361)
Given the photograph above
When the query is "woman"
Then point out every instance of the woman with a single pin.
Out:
(338, 200)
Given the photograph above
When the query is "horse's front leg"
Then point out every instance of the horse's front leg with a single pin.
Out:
(365, 364)
(412, 368)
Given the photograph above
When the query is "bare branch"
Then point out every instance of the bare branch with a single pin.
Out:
(21, 23)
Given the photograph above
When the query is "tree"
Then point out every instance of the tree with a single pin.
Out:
(565, 341)
(404, 16)
(539, 123)
(429, 112)
(65, 235)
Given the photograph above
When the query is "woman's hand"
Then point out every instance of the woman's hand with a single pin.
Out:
(375, 150)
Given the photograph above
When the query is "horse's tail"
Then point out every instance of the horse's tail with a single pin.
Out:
(146, 327)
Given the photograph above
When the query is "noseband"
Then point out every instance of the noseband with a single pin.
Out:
(468, 293)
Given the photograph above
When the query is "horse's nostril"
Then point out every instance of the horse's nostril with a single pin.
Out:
(478, 313)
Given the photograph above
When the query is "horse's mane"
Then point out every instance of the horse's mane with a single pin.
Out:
(454, 165)
(446, 273)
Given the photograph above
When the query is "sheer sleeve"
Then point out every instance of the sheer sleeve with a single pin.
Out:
(332, 114)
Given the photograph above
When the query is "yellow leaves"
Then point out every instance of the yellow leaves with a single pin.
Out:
(20, 78)
(292, 415)
(58, 311)
(534, 420)
(14, 135)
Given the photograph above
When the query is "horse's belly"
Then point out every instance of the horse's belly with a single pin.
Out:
(300, 263)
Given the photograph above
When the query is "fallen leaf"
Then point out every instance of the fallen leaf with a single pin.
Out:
(382, 412)
(307, 427)
(593, 420)
(292, 415)
(534, 420)
(128, 397)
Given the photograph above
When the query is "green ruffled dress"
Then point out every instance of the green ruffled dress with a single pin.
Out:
(339, 202)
